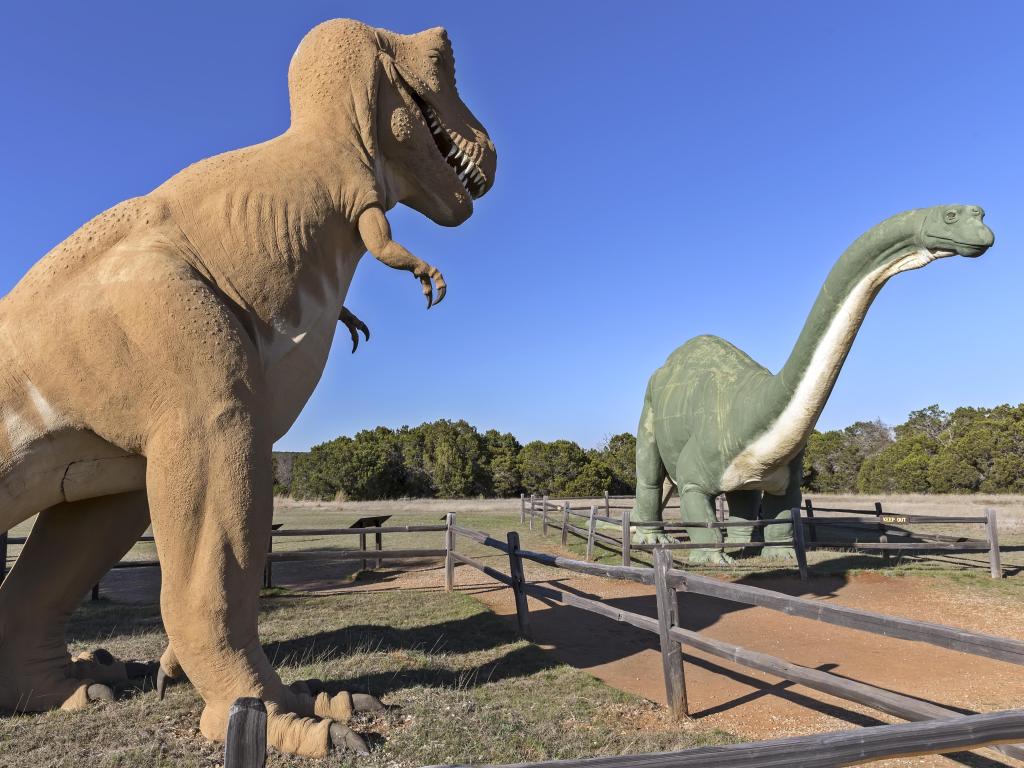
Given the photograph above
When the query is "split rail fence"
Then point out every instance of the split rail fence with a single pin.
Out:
(368, 558)
(932, 728)
(673, 637)
(888, 528)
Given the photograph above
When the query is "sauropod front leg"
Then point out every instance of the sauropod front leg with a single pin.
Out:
(211, 509)
(696, 506)
(375, 232)
(72, 545)
(780, 506)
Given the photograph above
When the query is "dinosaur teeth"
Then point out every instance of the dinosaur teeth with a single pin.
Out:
(465, 169)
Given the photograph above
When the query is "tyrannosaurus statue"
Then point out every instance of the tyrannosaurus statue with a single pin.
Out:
(149, 362)
(715, 421)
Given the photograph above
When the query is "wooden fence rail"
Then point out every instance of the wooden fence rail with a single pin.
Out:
(825, 750)
(364, 554)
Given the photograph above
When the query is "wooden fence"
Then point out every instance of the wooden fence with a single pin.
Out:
(933, 728)
(561, 515)
(368, 557)
(673, 637)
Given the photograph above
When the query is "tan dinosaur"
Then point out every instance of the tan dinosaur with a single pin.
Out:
(149, 362)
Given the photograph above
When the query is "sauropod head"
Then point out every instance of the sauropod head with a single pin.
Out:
(956, 228)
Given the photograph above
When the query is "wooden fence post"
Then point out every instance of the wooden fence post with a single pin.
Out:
(798, 542)
(812, 529)
(566, 508)
(883, 538)
(3, 556)
(245, 745)
(449, 548)
(522, 508)
(544, 517)
(362, 547)
(992, 530)
(531, 510)
(268, 567)
(607, 505)
(515, 567)
(671, 651)
(627, 536)
(590, 533)
(378, 544)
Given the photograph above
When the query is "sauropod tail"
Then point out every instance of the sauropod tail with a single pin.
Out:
(650, 472)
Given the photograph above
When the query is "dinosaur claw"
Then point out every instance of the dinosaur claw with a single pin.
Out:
(364, 702)
(442, 287)
(100, 692)
(103, 656)
(354, 325)
(161, 683)
(344, 739)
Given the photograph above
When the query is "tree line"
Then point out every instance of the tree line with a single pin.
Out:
(453, 459)
(967, 450)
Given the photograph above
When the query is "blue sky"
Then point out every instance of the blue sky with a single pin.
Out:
(665, 170)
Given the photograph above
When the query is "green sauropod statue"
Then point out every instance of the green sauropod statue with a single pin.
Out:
(715, 421)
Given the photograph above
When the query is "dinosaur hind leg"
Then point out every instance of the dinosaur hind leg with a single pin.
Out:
(773, 506)
(206, 475)
(745, 506)
(71, 546)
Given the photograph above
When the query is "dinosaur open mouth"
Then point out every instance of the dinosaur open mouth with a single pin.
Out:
(467, 171)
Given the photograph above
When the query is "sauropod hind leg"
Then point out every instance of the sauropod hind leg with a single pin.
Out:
(71, 546)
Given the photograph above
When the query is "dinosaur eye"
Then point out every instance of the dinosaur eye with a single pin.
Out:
(951, 216)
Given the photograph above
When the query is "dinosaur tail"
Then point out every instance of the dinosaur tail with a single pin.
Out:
(650, 471)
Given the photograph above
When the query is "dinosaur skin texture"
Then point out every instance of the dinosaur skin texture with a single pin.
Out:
(715, 421)
(149, 362)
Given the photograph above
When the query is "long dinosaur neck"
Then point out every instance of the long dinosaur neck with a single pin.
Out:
(805, 382)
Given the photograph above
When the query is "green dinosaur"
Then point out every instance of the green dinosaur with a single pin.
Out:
(715, 421)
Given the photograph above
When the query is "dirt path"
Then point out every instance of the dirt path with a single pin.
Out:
(754, 705)
(749, 704)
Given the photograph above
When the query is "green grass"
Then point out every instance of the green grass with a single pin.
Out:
(466, 690)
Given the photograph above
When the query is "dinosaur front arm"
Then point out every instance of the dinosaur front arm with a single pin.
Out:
(376, 235)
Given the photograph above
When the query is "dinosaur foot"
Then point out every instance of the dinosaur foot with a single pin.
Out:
(100, 666)
(709, 557)
(779, 554)
(650, 536)
(304, 720)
